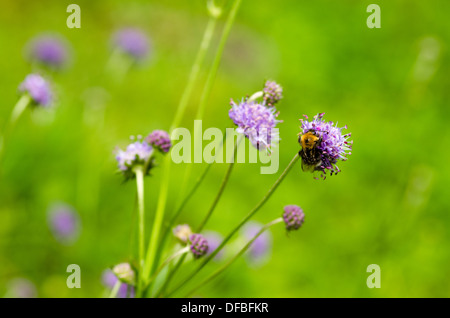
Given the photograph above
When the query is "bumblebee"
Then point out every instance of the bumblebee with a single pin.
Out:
(309, 153)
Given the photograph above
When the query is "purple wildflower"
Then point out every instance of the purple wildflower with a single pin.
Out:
(109, 279)
(137, 153)
(49, 50)
(256, 122)
(160, 140)
(262, 246)
(272, 93)
(182, 233)
(64, 222)
(38, 89)
(133, 42)
(199, 245)
(21, 288)
(214, 240)
(332, 146)
(293, 217)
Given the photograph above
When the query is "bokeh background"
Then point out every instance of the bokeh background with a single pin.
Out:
(389, 85)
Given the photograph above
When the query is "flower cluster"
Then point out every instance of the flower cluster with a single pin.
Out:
(38, 89)
(293, 217)
(257, 122)
(199, 245)
(159, 139)
(132, 42)
(333, 145)
(272, 93)
(182, 233)
(137, 153)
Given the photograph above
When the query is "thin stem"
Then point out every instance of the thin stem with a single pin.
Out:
(115, 289)
(181, 107)
(255, 96)
(17, 111)
(210, 211)
(139, 171)
(249, 215)
(215, 66)
(168, 260)
(231, 261)
(222, 186)
(206, 41)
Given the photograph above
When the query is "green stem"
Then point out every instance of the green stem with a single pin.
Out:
(115, 289)
(215, 65)
(139, 171)
(255, 96)
(249, 215)
(231, 261)
(167, 261)
(206, 41)
(180, 111)
(210, 211)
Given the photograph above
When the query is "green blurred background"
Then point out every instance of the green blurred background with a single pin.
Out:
(389, 85)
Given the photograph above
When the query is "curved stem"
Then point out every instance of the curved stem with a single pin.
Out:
(249, 215)
(139, 171)
(17, 111)
(231, 261)
(115, 289)
(168, 260)
(255, 96)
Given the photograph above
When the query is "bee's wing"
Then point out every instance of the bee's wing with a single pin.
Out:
(307, 167)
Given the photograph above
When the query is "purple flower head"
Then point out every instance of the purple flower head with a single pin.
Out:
(214, 240)
(49, 50)
(257, 122)
(261, 248)
(133, 42)
(182, 232)
(109, 279)
(160, 140)
(332, 144)
(137, 153)
(293, 217)
(21, 288)
(272, 93)
(64, 222)
(38, 89)
(199, 245)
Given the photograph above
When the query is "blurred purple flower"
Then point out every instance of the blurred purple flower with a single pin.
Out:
(133, 42)
(214, 240)
(261, 248)
(21, 288)
(272, 93)
(257, 122)
(38, 88)
(49, 50)
(64, 223)
(109, 280)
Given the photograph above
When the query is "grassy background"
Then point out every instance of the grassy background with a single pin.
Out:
(389, 85)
